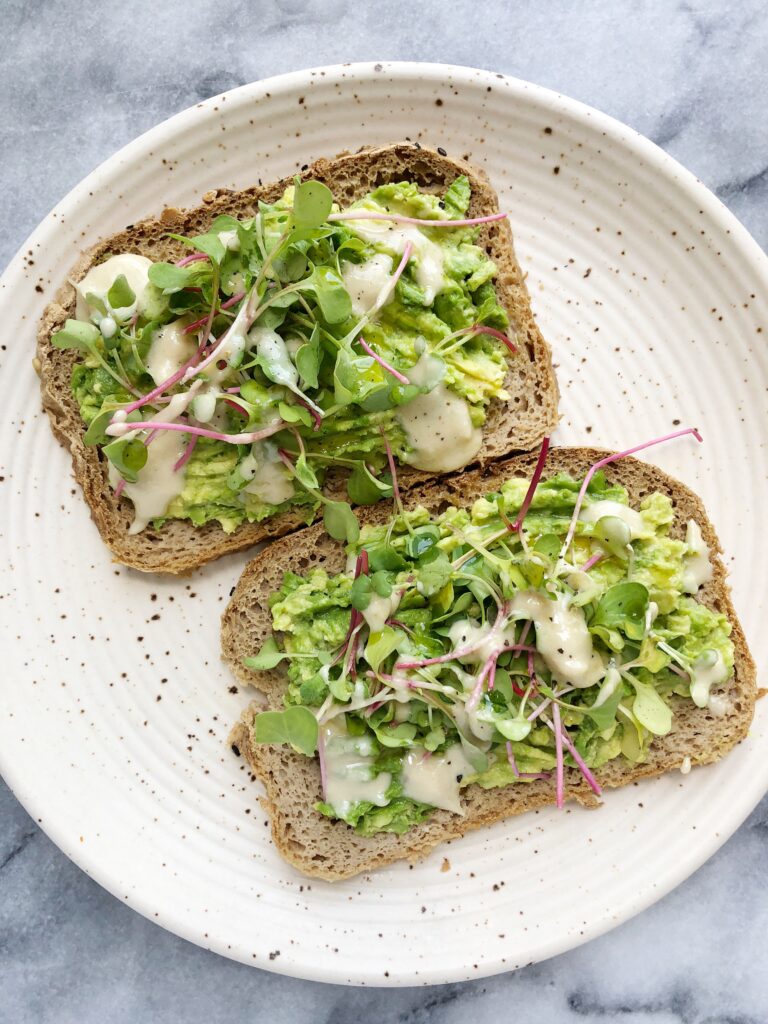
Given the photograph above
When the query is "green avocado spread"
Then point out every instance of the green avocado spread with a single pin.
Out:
(457, 650)
(286, 344)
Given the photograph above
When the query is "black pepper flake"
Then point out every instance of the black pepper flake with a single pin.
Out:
(235, 750)
(547, 131)
(274, 954)
(441, 151)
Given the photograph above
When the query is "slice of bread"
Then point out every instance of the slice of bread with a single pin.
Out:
(331, 850)
(515, 425)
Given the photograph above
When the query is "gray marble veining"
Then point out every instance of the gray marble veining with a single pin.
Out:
(78, 80)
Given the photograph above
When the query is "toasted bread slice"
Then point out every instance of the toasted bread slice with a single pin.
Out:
(514, 425)
(318, 846)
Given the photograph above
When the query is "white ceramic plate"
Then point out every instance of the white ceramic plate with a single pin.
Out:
(115, 707)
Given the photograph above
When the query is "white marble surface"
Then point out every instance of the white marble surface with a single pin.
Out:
(77, 80)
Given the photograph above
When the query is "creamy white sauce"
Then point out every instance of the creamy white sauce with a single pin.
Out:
(427, 255)
(466, 632)
(707, 671)
(108, 327)
(100, 279)
(230, 240)
(427, 372)
(270, 480)
(271, 347)
(157, 484)
(697, 568)
(439, 429)
(600, 509)
(348, 769)
(171, 348)
(719, 705)
(562, 638)
(379, 610)
(366, 281)
(435, 780)
(204, 405)
(177, 405)
(685, 767)
(231, 348)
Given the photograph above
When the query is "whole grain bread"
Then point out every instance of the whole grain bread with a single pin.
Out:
(316, 845)
(515, 425)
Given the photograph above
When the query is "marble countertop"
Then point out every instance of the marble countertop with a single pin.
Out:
(691, 76)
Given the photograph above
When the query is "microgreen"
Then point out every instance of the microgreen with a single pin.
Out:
(120, 294)
(364, 488)
(607, 461)
(296, 726)
(128, 456)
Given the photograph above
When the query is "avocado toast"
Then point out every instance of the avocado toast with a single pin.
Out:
(499, 647)
(286, 352)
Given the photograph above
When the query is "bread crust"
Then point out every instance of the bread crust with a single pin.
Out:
(518, 424)
(319, 847)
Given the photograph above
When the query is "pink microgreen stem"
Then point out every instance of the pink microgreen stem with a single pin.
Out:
(235, 405)
(678, 671)
(460, 652)
(614, 458)
(199, 323)
(397, 624)
(516, 772)
(186, 454)
(489, 672)
(194, 257)
(592, 561)
(361, 565)
(120, 488)
(233, 301)
(499, 335)
(392, 470)
(419, 222)
(183, 370)
(492, 676)
(382, 362)
(317, 418)
(515, 528)
(566, 739)
(168, 383)
(537, 711)
(386, 291)
(559, 790)
(119, 429)
(477, 689)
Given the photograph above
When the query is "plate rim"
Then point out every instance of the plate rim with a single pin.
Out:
(622, 135)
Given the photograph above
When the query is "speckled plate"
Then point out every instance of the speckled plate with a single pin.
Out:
(115, 707)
